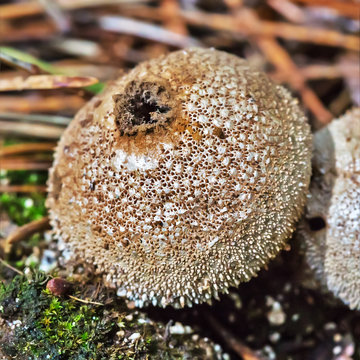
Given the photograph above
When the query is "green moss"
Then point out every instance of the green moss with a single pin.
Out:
(61, 328)
(23, 209)
(18, 177)
(51, 326)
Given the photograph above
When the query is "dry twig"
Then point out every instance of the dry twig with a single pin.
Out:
(85, 301)
(25, 231)
(235, 344)
(11, 267)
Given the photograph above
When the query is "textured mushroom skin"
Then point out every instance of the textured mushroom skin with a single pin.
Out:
(183, 178)
(333, 249)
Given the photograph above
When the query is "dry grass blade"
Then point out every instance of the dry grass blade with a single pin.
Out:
(279, 57)
(36, 118)
(79, 47)
(46, 82)
(36, 30)
(59, 17)
(283, 62)
(18, 10)
(85, 301)
(310, 72)
(125, 25)
(170, 10)
(2, 261)
(22, 65)
(318, 71)
(22, 188)
(289, 10)
(242, 24)
(346, 8)
(25, 231)
(37, 103)
(77, 4)
(24, 163)
(26, 148)
(31, 130)
(350, 69)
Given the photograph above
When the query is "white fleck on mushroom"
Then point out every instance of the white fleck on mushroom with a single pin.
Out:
(331, 227)
(210, 164)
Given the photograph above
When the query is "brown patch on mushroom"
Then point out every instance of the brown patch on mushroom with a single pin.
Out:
(86, 121)
(56, 185)
(194, 171)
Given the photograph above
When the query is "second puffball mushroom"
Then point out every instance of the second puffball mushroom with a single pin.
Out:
(183, 178)
(330, 229)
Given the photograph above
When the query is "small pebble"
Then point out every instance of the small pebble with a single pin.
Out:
(337, 350)
(269, 352)
(180, 329)
(120, 333)
(29, 203)
(58, 286)
(276, 315)
(135, 336)
(330, 326)
(274, 337)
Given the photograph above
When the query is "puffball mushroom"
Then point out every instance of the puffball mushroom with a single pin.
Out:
(331, 227)
(183, 178)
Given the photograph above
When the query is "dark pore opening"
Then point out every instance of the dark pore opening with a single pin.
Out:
(141, 106)
(316, 223)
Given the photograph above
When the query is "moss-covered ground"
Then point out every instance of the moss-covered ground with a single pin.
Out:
(37, 325)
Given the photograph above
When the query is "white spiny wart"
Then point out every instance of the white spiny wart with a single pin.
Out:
(331, 227)
(183, 178)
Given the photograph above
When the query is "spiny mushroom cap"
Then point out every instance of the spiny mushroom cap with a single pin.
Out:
(183, 178)
(331, 228)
